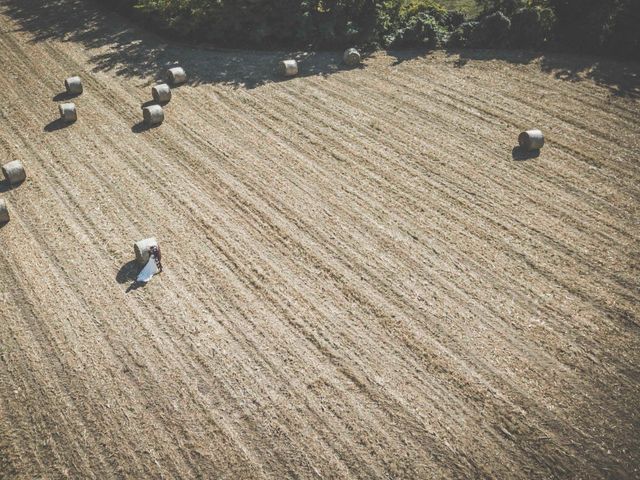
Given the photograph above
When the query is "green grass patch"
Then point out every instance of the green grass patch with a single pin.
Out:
(468, 7)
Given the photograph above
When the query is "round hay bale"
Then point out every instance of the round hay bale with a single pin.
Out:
(288, 68)
(153, 115)
(161, 93)
(4, 211)
(68, 112)
(73, 85)
(14, 172)
(142, 248)
(352, 57)
(176, 76)
(531, 140)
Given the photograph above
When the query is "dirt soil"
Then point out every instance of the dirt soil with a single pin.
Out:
(362, 277)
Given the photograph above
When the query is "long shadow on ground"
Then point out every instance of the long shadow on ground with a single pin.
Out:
(128, 274)
(5, 186)
(519, 154)
(57, 124)
(621, 78)
(64, 96)
(131, 51)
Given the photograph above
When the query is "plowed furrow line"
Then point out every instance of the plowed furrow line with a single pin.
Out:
(582, 92)
(599, 158)
(89, 216)
(475, 199)
(565, 247)
(503, 89)
(105, 321)
(448, 132)
(451, 129)
(53, 345)
(522, 81)
(21, 213)
(553, 118)
(525, 189)
(561, 126)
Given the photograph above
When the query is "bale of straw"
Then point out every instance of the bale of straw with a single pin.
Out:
(351, 57)
(73, 85)
(176, 76)
(14, 172)
(153, 115)
(4, 211)
(161, 93)
(68, 112)
(288, 68)
(531, 140)
(142, 249)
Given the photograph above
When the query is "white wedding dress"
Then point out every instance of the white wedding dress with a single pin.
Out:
(149, 270)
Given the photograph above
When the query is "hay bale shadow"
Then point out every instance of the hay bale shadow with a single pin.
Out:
(57, 124)
(128, 272)
(519, 154)
(64, 96)
(5, 186)
(141, 126)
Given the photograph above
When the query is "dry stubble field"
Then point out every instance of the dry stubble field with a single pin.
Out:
(361, 281)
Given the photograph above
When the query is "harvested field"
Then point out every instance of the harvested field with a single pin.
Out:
(362, 277)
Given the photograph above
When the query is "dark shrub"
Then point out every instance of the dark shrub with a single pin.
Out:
(580, 23)
(454, 19)
(461, 35)
(420, 30)
(623, 35)
(596, 26)
(531, 27)
(302, 23)
(492, 31)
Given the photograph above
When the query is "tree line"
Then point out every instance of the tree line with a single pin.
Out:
(610, 27)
